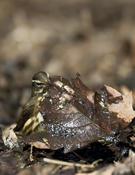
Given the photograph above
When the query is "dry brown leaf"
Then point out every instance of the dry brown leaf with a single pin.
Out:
(123, 109)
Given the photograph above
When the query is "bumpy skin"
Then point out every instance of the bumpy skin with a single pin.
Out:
(69, 119)
(40, 85)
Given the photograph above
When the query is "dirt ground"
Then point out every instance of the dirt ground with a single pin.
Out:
(91, 37)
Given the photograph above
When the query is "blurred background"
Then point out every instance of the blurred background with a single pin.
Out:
(92, 37)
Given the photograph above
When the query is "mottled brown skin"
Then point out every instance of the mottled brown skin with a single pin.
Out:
(42, 85)
(71, 121)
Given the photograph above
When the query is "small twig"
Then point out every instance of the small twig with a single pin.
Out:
(31, 154)
(78, 156)
(56, 169)
(59, 162)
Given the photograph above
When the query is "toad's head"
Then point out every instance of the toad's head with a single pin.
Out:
(40, 83)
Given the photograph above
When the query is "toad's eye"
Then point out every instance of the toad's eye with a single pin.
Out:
(37, 84)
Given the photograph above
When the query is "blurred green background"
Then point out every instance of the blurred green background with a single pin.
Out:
(92, 37)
